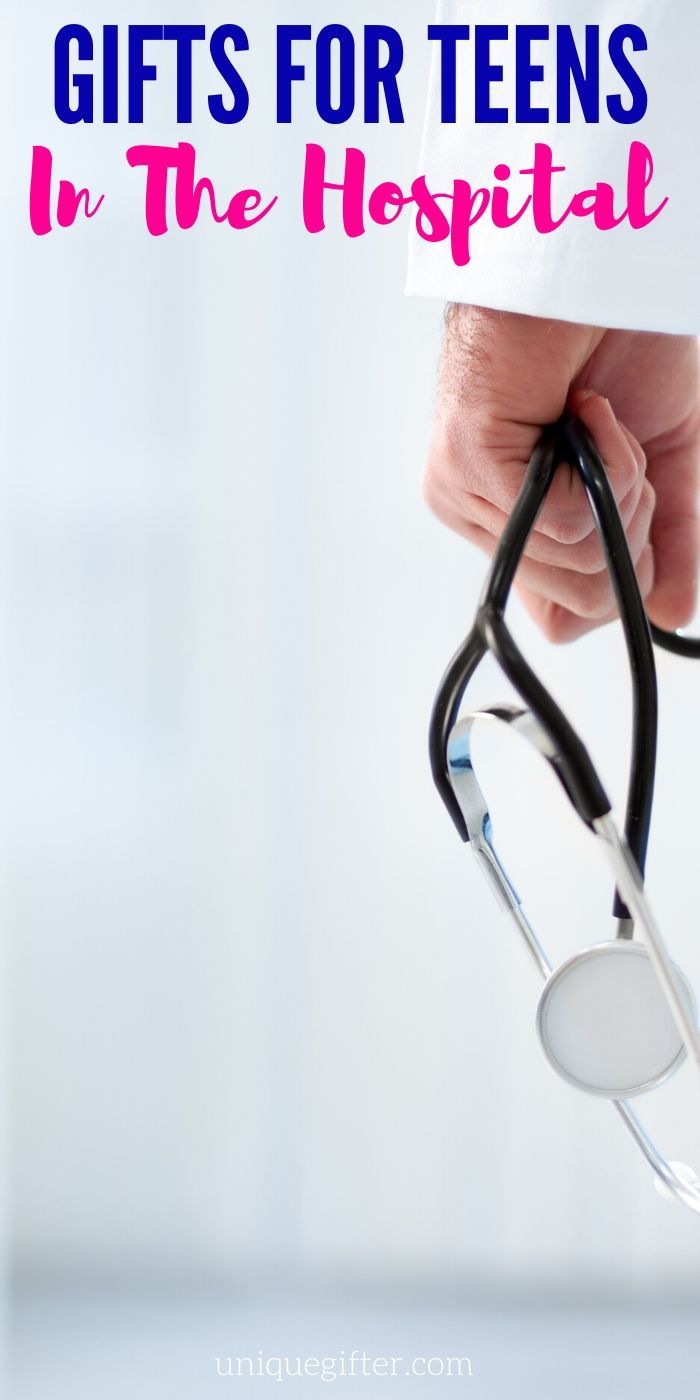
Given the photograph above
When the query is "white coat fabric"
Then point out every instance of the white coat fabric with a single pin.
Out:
(637, 279)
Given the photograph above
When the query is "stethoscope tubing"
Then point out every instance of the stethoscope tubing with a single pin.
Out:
(567, 442)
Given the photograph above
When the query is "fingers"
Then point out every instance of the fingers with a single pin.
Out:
(673, 466)
(566, 515)
(588, 595)
(565, 535)
(564, 580)
(485, 459)
(502, 377)
(586, 557)
(560, 625)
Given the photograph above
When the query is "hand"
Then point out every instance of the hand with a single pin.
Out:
(502, 378)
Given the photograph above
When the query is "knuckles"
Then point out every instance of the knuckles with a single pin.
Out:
(558, 625)
(462, 442)
(571, 528)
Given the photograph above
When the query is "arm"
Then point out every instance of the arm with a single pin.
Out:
(504, 375)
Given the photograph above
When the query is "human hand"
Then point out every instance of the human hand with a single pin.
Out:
(502, 378)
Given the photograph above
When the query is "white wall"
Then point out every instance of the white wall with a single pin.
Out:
(266, 1019)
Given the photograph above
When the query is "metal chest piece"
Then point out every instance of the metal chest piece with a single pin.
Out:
(605, 1025)
(617, 1019)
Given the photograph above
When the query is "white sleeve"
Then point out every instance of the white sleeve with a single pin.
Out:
(638, 279)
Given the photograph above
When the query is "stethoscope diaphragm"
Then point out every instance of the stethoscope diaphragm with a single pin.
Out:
(604, 1022)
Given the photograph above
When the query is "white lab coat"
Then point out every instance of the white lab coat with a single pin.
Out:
(645, 279)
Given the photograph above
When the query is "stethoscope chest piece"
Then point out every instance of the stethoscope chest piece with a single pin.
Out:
(605, 1024)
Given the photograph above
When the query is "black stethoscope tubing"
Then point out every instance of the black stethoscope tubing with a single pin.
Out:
(566, 442)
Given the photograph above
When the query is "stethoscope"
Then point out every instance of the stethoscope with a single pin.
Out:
(619, 1018)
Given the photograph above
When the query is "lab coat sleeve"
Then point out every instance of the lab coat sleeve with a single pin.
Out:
(638, 279)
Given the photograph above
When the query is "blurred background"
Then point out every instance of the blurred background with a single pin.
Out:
(269, 1079)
